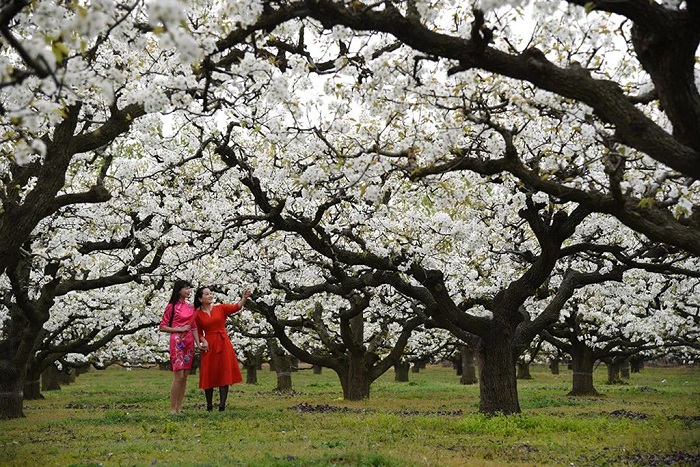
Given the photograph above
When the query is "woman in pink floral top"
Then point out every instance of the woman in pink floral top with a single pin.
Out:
(178, 320)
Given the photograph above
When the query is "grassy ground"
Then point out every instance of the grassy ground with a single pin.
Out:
(120, 417)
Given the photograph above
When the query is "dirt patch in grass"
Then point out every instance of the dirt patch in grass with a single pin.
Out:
(675, 458)
(622, 413)
(305, 407)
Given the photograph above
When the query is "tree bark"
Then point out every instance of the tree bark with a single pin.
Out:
(66, 376)
(498, 388)
(357, 382)
(524, 371)
(625, 369)
(457, 365)
(251, 373)
(401, 372)
(282, 364)
(554, 366)
(32, 385)
(49, 378)
(12, 378)
(468, 367)
(613, 371)
(82, 369)
(582, 361)
(636, 365)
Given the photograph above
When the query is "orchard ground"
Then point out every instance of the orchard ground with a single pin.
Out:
(120, 417)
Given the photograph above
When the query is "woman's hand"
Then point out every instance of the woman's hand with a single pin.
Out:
(203, 345)
(244, 299)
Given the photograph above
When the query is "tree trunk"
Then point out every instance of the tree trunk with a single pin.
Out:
(457, 365)
(468, 367)
(251, 373)
(582, 361)
(66, 376)
(613, 372)
(11, 390)
(317, 369)
(401, 372)
(356, 382)
(554, 366)
(625, 369)
(498, 386)
(82, 369)
(50, 379)
(32, 385)
(524, 371)
(284, 373)
(282, 362)
(636, 365)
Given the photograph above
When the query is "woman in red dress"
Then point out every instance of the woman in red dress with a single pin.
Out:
(219, 365)
(178, 321)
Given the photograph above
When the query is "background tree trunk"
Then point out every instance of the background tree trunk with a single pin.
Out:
(32, 385)
(82, 369)
(554, 366)
(625, 369)
(50, 379)
(614, 366)
(401, 372)
(457, 365)
(582, 361)
(524, 371)
(283, 365)
(636, 364)
(468, 366)
(251, 373)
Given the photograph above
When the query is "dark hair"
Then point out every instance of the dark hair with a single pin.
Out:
(177, 287)
(175, 296)
(198, 296)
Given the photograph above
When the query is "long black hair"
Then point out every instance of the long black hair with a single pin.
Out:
(198, 296)
(175, 297)
(177, 287)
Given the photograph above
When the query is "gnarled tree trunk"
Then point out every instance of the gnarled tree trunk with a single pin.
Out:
(582, 361)
(356, 382)
(498, 386)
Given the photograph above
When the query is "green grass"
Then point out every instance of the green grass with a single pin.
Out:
(119, 417)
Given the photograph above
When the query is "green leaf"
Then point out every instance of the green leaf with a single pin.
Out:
(646, 203)
(60, 51)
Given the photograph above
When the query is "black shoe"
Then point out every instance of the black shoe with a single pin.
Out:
(210, 408)
(221, 408)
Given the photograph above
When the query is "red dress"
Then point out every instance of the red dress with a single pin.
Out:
(219, 366)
